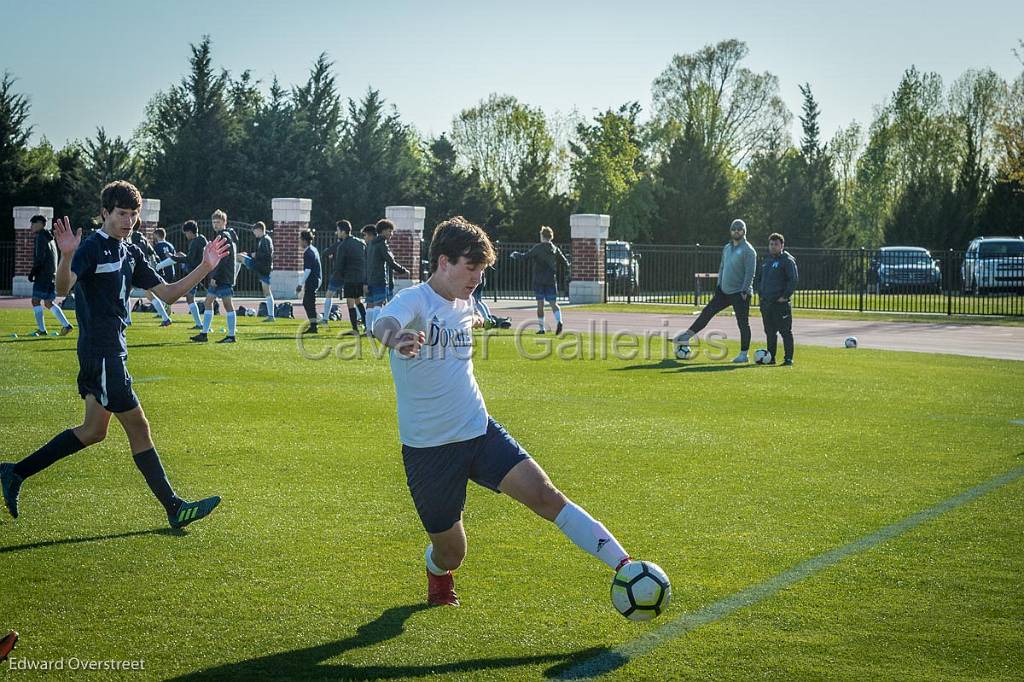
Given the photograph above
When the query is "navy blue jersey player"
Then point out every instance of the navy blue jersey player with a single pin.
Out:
(103, 268)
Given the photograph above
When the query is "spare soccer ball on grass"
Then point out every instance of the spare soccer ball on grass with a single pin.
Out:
(762, 357)
(683, 353)
(641, 590)
(850, 342)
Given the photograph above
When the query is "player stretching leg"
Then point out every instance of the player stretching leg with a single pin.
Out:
(446, 443)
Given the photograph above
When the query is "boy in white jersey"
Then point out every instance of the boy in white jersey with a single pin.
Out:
(447, 436)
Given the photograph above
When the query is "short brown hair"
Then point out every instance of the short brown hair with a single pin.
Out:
(775, 236)
(159, 232)
(343, 225)
(384, 224)
(120, 194)
(546, 232)
(260, 225)
(457, 237)
(219, 214)
(307, 235)
(190, 226)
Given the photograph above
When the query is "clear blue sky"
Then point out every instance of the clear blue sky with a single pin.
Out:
(90, 62)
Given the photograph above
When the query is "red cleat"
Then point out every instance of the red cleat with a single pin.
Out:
(441, 590)
(8, 642)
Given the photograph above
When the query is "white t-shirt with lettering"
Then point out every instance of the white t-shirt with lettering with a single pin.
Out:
(438, 399)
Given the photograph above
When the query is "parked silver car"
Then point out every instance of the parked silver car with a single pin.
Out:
(994, 264)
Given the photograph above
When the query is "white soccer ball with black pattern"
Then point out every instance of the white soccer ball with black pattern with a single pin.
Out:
(683, 353)
(762, 357)
(850, 342)
(641, 590)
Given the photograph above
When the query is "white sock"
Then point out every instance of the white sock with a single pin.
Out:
(193, 308)
(370, 315)
(431, 566)
(231, 323)
(38, 311)
(59, 314)
(161, 308)
(590, 535)
(327, 309)
(207, 320)
(270, 305)
(540, 321)
(558, 316)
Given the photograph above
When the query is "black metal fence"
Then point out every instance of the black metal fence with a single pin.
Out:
(877, 280)
(6, 267)
(513, 277)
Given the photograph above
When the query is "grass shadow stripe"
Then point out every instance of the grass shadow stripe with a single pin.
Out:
(621, 655)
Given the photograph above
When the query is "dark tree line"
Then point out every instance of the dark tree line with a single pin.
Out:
(935, 166)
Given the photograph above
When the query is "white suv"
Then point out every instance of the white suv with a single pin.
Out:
(993, 264)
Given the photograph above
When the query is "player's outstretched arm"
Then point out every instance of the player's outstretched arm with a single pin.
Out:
(212, 254)
(67, 243)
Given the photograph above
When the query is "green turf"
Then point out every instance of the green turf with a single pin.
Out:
(725, 476)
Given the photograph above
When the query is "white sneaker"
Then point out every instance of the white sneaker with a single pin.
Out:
(742, 357)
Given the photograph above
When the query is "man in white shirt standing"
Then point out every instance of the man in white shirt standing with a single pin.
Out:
(447, 436)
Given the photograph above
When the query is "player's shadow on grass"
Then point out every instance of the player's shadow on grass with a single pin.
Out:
(91, 538)
(309, 663)
(132, 346)
(670, 364)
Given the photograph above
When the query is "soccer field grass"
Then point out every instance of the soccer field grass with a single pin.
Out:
(726, 476)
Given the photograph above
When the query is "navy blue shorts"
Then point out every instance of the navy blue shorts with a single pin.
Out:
(549, 294)
(335, 285)
(109, 381)
(221, 291)
(376, 294)
(43, 291)
(438, 476)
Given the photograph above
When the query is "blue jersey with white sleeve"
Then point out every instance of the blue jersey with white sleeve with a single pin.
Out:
(107, 269)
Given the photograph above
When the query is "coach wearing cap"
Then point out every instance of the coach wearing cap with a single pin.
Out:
(735, 286)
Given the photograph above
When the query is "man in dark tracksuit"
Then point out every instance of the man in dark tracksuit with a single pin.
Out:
(191, 260)
(778, 282)
(544, 258)
(379, 258)
(348, 274)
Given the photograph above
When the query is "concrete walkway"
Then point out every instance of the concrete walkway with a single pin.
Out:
(988, 341)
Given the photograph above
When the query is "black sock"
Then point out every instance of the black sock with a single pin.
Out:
(362, 312)
(63, 444)
(353, 319)
(153, 471)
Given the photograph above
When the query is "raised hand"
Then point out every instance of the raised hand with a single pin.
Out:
(67, 239)
(214, 251)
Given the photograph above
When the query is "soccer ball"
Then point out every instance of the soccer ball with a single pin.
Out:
(850, 342)
(684, 352)
(641, 590)
(762, 357)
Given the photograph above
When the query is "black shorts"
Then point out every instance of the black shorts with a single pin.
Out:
(438, 476)
(352, 290)
(109, 381)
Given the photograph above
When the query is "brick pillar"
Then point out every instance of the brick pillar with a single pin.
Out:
(24, 245)
(290, 216)
(149, 217)
(405, 241)
(589, 233)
